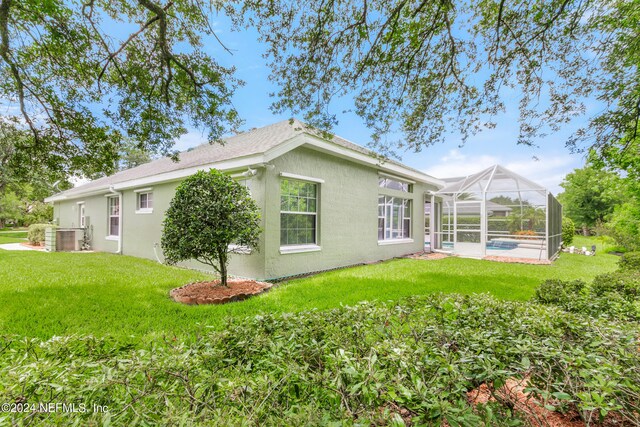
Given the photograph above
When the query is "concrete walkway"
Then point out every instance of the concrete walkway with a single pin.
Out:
(18, 247)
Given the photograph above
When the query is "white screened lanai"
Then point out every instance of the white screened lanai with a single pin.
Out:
(495, 212)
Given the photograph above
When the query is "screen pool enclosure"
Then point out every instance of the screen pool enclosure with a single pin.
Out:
(495, 212)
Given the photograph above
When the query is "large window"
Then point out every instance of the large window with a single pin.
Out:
(114, 216)
(298, 212)
(394, 218)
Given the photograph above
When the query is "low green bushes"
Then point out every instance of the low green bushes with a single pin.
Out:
(559, 292)
(371, 364)
(623, 282)
(630, 261)
(35, 234)
(615, 294)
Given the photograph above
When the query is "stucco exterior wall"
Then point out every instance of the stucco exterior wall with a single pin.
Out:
(67, 214)
(347, 218)
(142, 232)
(347, 215)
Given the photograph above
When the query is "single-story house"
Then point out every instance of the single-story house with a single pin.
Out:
(358, 207)
(325, 203)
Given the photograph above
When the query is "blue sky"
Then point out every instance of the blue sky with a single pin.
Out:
(441, 160)
(446, 159)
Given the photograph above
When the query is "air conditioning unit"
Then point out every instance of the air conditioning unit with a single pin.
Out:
(68, 239)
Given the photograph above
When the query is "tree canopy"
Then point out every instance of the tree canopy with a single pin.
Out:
(435, 66)
(81, 75)
(210, 216)
(591, 195)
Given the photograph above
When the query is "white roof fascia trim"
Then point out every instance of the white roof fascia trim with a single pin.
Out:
(183, 173)
(58, 198)
(231, 164)
(370, 160)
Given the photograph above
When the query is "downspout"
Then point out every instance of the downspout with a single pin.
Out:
(119, 194)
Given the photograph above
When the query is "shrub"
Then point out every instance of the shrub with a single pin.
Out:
(613, 295)
(568, 231)
(630, 261)
(359, 365)
(559, 292)
(209, 213)
(625, 283)
(35, 234)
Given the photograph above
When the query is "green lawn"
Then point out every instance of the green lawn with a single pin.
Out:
(46, 294)
(13, 236)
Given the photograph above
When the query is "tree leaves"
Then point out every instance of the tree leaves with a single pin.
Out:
(431, 68)
(209, 213)
(84, 75)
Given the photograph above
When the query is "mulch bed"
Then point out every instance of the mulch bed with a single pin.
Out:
(515, 395)
(436, 255)
(29, 245)
(518, 260)
(214, 293)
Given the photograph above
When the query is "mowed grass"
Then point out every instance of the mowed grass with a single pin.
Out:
(47, 294)
(10, 236)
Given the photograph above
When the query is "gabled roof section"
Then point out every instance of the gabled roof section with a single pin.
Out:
(239, 151)
(493, 179)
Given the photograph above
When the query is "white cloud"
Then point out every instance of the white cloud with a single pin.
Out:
(455, 163)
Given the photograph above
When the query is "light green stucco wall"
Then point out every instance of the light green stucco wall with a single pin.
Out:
(67, 215)
(348, 215)
(142, 231)
(347, 218)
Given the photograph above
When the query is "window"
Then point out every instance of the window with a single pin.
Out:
(394, 218)
(145, 202)
(394, 184)
(81, 215)
(298, 212)
(114, 216)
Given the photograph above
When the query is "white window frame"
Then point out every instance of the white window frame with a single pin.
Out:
(384, 180)
(145, 210)
(82, 214)
(110, 215)
(302, 247)
(387, 217)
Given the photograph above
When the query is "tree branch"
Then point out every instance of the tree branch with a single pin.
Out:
(498, 23)
(5, 6)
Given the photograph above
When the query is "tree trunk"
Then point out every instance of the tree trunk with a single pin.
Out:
(585, 230)
(222, 259)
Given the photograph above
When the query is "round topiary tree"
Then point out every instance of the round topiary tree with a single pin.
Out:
(210, 217)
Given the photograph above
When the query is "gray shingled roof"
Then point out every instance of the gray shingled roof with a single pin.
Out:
(255, 141)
